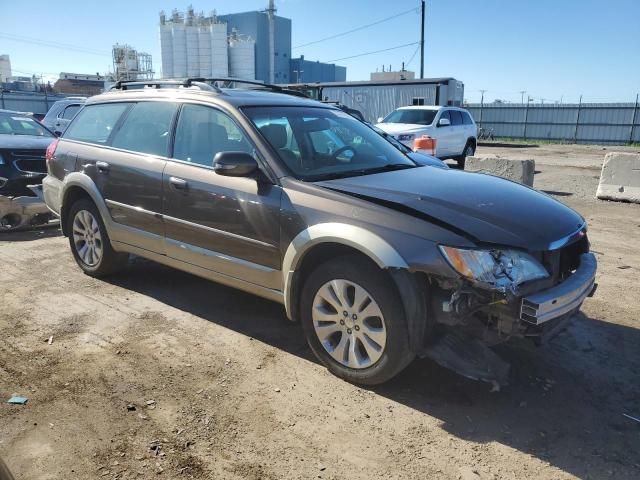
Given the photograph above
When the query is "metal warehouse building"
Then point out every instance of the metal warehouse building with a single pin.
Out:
(377, 99)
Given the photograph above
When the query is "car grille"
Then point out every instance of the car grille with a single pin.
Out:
(29, 161)
(563, 262)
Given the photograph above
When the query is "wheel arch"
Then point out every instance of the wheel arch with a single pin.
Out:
(78, 185)
(327, 239)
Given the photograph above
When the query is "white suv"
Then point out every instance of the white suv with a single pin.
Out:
(453, 128)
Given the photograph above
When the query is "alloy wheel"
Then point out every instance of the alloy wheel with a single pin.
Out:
(86, 238)
(349, 324)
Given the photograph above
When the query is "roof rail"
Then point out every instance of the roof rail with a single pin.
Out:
(184, 83)
(258, 83)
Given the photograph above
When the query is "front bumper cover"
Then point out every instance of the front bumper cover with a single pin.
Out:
(563, 298)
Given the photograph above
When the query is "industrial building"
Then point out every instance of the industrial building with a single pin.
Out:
(5, 68)
(272, 35)
(129, 64)
(81, 84)
(250, 45)
(392, 76)
(197, 46)
(377, 99)
(303, 71)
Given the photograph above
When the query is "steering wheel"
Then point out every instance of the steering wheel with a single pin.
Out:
(335, 154)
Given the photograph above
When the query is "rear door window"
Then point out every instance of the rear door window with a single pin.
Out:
(95, 123)
(466, 118)
(70, 112)
(456, 117)
(146, 129)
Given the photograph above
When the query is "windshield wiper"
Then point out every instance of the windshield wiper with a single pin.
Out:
(359, 172)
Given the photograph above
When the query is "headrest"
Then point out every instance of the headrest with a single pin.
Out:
(276, 134)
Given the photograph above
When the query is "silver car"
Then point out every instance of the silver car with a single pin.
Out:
(61, 113)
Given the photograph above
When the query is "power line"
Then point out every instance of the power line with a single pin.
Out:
(48, 43)
(375, 51)
(356, 29)
(412, 56)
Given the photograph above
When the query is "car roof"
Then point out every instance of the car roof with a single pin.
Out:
(430, 107)
(237, 97)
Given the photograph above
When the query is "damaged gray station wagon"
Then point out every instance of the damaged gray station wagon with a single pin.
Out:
(380, 259)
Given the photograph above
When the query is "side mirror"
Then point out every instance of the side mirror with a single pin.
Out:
(444, 122)
(234, 164)
(380, 120)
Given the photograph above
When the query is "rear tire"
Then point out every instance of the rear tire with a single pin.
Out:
(370, 344)
(90, 242)
(469, 151)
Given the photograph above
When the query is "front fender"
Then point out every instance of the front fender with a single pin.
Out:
(365, 241)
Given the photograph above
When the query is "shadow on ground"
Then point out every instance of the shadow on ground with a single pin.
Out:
(31, 234)
(564, 406)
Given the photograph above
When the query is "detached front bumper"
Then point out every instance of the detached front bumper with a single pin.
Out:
(543, 306)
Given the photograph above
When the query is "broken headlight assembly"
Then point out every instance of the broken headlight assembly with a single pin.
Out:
(502, 270)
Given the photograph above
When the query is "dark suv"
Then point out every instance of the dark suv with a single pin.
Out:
(298, 202)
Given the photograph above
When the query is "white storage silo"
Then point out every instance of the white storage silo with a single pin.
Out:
(179, 50)
(204, 50)
(242, 57)
(193, 63)
(166, 50)
(219, 50)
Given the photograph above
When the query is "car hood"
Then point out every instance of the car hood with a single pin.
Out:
(16, 142)
(397, 128)
(483, 208)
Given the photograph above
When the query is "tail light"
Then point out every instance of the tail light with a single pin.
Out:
(51, 150)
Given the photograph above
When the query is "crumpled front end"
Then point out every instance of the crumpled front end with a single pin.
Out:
(497, 305)
(24, 211)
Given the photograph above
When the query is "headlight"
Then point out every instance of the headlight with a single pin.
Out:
(502, 269)
(403, 137)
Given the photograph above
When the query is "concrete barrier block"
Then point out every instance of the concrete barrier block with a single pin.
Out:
(620, 177)
(517, 170)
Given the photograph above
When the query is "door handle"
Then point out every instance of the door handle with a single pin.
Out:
(178, 183)
(102, 166)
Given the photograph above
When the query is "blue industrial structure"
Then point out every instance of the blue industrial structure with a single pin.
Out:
(256, 25)
(306, 71)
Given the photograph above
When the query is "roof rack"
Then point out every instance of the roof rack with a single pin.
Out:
(184, 83)
(204, 83)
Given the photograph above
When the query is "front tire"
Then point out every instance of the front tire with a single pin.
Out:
(90, 242)
(469, 151)
(354, 321)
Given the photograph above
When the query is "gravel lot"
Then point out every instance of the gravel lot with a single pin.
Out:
(220, 385)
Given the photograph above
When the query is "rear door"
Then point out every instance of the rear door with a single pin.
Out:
(459, 137)
(225, 224)
(127, 167)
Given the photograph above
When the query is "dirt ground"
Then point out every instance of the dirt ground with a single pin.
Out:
(220, 385)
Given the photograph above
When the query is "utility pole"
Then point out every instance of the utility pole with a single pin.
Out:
(481, 105)
(522, 92)
(422, 42)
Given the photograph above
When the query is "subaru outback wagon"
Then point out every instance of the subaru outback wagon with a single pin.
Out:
(379, 258)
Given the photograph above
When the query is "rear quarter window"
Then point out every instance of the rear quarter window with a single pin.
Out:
(95, 123)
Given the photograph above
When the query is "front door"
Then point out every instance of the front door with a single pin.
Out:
(445, 136)
(226, 224)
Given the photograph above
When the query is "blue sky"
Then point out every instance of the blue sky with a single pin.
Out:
(553, 49)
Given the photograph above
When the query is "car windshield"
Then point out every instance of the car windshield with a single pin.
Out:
(321, 143)
(413, 116)
(17, 124)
